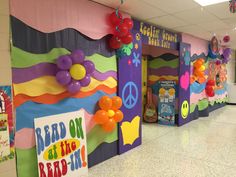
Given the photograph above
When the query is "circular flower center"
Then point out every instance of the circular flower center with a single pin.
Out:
(111, 113)
(77, 71)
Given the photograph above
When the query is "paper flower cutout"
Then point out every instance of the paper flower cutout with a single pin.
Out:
(125, 50)
(109, 114)
(136, 60)
(74, 72)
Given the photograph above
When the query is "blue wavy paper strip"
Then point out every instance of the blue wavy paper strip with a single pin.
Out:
(197, 88)
(27, 112)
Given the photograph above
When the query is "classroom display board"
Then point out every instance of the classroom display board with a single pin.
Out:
(166, 102)
(61, 145)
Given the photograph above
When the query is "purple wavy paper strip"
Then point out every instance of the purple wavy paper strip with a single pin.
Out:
(163, 71)
(20, 75)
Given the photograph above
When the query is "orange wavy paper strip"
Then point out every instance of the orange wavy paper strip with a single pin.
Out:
(52, 99)
(48, 16)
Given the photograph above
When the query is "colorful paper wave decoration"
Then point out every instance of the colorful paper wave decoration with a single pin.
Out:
(159, 63)
(154, 78)
(23, 59)
(165, 56)
(22, 35)
(163, 71)
(49, 85)
(73, 16)
(27, 112)
(52, 99)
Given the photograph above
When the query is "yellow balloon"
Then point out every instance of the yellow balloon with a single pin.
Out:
(77, 71)
(202, 68)
(111, 113)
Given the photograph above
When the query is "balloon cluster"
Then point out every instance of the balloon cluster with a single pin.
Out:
(121, 30)
(226, 55)
(74, 72)
(226, 38)
(109, 114)
(210, 88)
(198, 71)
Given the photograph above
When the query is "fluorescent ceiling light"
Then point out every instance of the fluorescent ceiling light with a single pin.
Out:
(209, 2)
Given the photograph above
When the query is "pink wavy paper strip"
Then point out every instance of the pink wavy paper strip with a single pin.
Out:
(47, 16)
(25, 138)
(194, 98)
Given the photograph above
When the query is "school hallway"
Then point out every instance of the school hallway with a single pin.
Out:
(205, 147)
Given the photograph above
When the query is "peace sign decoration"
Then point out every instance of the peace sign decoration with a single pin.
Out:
(130, 95)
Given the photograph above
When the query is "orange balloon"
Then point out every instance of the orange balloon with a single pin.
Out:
(109, 125)
(101, 117)
(201, 60)
(118, 116)
(201, 80)
(197, 64)
(116, 103)
(105, 103)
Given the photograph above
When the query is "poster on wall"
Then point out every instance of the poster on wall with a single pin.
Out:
(61, 145)
(6, 124)
(166, 102)
(4, 136)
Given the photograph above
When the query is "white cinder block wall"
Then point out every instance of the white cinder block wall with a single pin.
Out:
(231, 69)
(5, 61)
(7, 168)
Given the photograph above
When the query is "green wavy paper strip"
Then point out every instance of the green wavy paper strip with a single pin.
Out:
(24, 158)
(159, 63)
(202, 104)
(97, 136)
(224, 100)
(22, 59)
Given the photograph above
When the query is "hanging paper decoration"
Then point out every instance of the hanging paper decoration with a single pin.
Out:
(109, 114)
(232, 6)
(198, 71)
(210, 88)
(74, 72)
(121, 30)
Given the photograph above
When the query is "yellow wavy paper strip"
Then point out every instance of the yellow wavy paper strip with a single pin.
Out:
(49, 85)
(155, 78)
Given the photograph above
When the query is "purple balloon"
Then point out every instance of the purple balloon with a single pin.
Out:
(77, 56)
(89, 66)
(64, 62)
(85, 81)
(74, 87)
(63, 77)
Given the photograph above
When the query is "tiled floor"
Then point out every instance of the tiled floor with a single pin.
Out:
(203, 148)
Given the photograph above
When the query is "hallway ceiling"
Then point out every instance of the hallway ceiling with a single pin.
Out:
(182, 16)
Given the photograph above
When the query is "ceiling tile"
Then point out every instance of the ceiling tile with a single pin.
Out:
(220, 10)
(172, 6)
(195, 16)
(168, 21)
(138, 9)
(214, 25)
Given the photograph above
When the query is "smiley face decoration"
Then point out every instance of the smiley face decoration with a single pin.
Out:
(121, 30)
(74, 72)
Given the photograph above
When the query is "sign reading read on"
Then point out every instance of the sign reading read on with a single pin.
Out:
(61, 145)
(153, 35)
